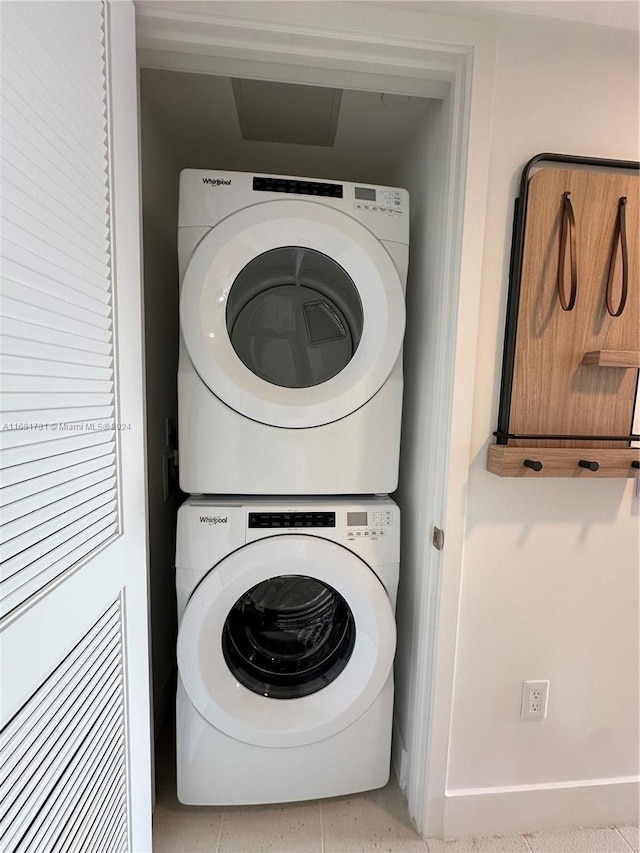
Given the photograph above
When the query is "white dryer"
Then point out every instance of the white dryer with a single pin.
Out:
(286, 642)
(292, 317)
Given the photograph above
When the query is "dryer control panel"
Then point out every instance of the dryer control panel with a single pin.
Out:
(379, 200)
(292, 519)
(297, 187)
(207, 197)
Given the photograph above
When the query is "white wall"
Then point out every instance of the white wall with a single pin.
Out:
(550, 573)
(160, 213)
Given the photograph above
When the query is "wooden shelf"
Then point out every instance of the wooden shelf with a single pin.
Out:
(571, 357)
(572, 371)
(612, 358)
(562, 462)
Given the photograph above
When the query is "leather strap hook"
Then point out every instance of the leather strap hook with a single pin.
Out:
(567, 228)
(619, 237)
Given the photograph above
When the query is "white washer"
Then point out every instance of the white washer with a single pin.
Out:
(292, 318)
(285, 647)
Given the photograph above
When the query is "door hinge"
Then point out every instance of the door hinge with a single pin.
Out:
(438, 538)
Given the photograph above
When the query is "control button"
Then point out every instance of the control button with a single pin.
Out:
(365, 533)
(382, 532)
(358, 532)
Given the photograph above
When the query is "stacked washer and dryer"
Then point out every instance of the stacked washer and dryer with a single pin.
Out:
(292, 317)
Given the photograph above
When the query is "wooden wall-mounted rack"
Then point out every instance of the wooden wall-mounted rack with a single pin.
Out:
(572, 340)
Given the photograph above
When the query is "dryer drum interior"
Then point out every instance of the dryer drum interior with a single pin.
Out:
(294, 317)
(288, 637)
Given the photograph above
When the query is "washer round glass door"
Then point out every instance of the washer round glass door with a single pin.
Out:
(292, 313)
(286, 641)
(288, 636)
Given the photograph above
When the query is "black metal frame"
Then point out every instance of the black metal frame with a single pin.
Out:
(503, 437)
(513, 300)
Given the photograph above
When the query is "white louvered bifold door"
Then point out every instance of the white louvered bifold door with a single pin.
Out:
(75, 718)
(62, 756)
(58, 442)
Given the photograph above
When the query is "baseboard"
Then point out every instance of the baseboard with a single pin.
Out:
(501, 811)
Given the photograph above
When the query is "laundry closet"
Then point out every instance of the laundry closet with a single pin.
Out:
(367, 136)
(77, 605)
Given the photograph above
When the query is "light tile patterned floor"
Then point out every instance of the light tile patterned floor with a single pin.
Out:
(374, 822)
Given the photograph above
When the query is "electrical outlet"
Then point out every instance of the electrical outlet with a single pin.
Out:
(535, 698)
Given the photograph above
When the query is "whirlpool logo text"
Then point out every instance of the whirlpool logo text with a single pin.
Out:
(213, 519)
(217, 182)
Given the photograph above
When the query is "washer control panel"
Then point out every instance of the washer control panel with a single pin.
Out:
(378, 200)
(369, 525)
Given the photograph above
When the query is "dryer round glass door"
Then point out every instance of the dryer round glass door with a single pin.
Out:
(294, 317)
(292, 313)
(286, 641)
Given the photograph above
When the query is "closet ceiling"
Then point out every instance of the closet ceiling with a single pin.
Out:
(198, 118)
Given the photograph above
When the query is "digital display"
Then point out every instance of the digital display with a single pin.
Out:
(365, 194)
(356, 519)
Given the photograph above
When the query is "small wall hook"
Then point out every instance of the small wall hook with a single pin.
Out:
(635, 463)
(619, 237)
(586, 463)
(534, 464)
(567, 233)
